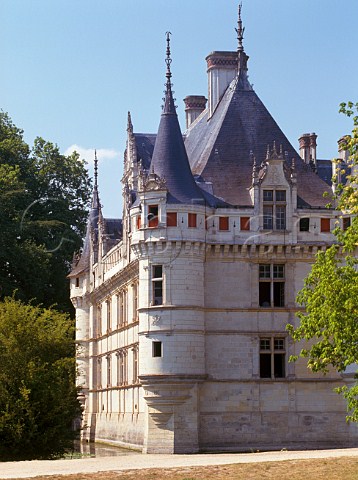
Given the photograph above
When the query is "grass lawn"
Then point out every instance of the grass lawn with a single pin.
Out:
(343, 468)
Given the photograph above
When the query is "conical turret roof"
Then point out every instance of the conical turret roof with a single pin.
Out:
(170, 160)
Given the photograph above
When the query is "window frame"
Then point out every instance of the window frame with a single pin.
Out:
(274, 209)
(153, 216)
(277, 366)
(272, 288)
(157, 284)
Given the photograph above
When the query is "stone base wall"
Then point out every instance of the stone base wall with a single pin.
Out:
(259, 416)
(124, 430)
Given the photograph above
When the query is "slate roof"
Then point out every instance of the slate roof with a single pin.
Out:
(219, 148)
(324, 170)
(170, 160)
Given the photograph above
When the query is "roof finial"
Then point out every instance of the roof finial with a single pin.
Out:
(240, 31)
(95, 168)
(168, 60)
(129, 123)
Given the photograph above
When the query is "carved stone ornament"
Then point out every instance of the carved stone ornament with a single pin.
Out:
(154, 182)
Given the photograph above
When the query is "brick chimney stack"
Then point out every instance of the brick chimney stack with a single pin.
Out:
(308, 148)
(194, 105)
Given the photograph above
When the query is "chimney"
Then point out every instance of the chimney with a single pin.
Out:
(313, 148)
(194, 105)
(304, 141)
(222, 69)
(343, 152)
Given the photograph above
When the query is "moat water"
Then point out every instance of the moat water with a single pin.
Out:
(85, 450)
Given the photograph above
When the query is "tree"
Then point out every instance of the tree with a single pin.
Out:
(330, 293)
(43, 210)
(38, 397)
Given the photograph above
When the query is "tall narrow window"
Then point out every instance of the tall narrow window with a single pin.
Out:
(272, 357)
(271, 285)
(135, 302)
(109, 373)
(99, 320)
(135, 364)
(153, 216)
(99, 372)
(109, 314)
(122, 367)
(192, 220)
(157, 284)
(139, 222)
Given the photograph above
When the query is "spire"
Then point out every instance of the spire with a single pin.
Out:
(129, 123)
(169, 106)
(170, 161)
(242, 58)
(240, 31)
(95, 197)
(95, 169)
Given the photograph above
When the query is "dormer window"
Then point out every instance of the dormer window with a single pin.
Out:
(274, 210)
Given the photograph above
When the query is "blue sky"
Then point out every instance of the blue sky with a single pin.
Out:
(71, 69)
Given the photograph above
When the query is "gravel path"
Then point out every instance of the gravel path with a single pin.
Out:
(131, 461)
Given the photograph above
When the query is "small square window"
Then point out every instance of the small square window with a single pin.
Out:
(279, 344)
(157, 271)
(172, 219)
(265, 344)
(268, 196)
(304, 224)
(244, 223)
(325, 225)
(265, 271)
(157, 349)
(223, 223)
(192, 220)
(280, 195)
(278, 271)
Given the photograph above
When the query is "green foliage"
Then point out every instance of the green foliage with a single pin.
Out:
(330, 292)
(43, 210)
(38, 397)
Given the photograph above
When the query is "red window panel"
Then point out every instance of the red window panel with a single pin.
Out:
(325, 225)
(139, 222)
(223, 223)
(244, 223)
(192, 220)
(172, 219)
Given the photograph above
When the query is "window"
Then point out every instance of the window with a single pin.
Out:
(99, 372)
(135, 302)
(346, 223)
(109, 313)
(325, 225)
(304, 224)
(244, 223)
(157, 349)
(135, 364)
(271, 285)
(157, 284)
(77, 282)
(121, 367)
(192, 220)
(99, 320)
(139, 222)
(274, 209)
(153, 216)
(109, 373)
(272, 357)
(223, 223)
(172, 219)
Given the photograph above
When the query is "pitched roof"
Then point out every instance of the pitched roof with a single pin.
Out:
(219, 147)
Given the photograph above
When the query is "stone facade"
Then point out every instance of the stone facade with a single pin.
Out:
(181, 316)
